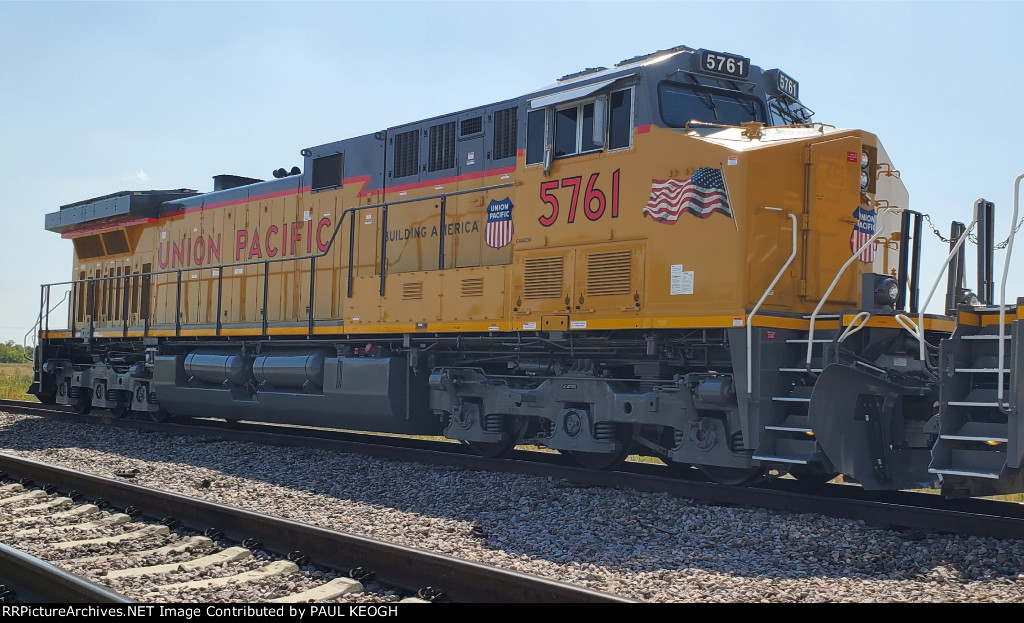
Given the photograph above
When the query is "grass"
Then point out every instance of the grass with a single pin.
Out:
(15, 379)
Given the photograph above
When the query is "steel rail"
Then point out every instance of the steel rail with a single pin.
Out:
(403, 567)
(36, 581)
(898, 509)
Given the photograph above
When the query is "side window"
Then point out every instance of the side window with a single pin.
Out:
(328, 171)
(574, 130)
(565, 131)
(620, 124)
(581, 127)
(535, 136)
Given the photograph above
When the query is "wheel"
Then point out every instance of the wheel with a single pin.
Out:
(121, 411)
(161, 415)
(84, 404)
(811, 475)
(48, 399)
(598, 460)
(679, 470)
(733, 476)
(493, 449)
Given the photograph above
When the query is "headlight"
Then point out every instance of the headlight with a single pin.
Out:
(863, 179)
(865, 160)
(887, 291)
(894, 291)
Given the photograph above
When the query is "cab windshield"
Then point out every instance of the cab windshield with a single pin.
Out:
(681, 103)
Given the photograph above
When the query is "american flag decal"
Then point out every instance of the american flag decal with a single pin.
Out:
(701, 195)
(863, 231)
(498, 230)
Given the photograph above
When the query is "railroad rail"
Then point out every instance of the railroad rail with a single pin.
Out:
(29, 579)
(897, 509)
(410, 570)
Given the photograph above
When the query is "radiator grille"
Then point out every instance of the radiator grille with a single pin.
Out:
(609, 273)
(116, 242)
(412, 291)
(473, 286)
(542, 277)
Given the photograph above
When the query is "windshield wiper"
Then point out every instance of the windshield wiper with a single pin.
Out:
(704, 96)
(748, 106)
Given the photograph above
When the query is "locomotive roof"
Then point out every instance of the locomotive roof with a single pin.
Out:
(569, 87)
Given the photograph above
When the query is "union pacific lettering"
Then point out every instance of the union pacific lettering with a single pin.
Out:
(296, 238)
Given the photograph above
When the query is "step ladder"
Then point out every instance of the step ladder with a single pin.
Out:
(977, 437)
(786, 435)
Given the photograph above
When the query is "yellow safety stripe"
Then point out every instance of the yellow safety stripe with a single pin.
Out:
(889, 322)
(692, 322)
(989, 318)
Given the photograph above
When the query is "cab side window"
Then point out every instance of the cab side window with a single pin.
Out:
(535, 136)
(620, 123)
(582, 127)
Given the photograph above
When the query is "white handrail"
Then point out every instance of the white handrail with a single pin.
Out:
(1002, 289)
(907, 323)
(750, 316)
(853, 327)
(39, 322)
(824, 297)
(942, 269)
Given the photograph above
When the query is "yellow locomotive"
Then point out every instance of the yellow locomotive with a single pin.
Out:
(665, 257)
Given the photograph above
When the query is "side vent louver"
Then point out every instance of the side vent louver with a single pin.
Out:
(407, 153)
(412, 291)
(441, 147)
(542, 277)
(504, 133)
(473, 286)
(473, 125)
(609, 273)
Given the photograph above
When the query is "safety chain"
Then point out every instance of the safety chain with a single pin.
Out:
(973, 238)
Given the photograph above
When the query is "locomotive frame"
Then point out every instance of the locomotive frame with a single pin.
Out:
(747, 342)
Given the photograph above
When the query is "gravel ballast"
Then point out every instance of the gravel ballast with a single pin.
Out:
(645, 546)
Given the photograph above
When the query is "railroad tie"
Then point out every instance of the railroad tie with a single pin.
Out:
(84, 509)
(12, 487)
(29, 495)
(228, 555)
(111, 520)
(29, 514)
(280, 567)
(45, 506)
(185, 544)
(331, 590)
(145, 531)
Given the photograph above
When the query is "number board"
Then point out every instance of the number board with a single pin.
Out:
(722, 64)
(783, 84)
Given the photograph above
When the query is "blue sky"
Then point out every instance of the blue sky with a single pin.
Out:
(101, 97)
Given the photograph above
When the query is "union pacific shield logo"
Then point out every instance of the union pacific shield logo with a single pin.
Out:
(863, 231)
(498, 231)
